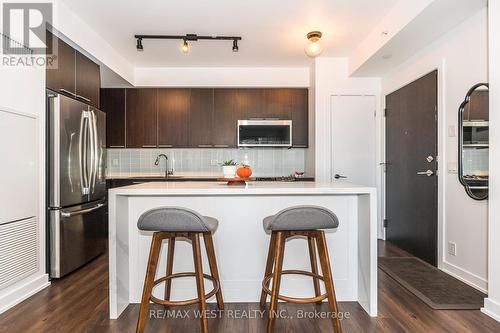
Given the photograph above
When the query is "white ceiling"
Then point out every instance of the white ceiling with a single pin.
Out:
(273, 31)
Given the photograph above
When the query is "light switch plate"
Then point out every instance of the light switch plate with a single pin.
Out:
(214, 162)
(451, 131)
(452, 167)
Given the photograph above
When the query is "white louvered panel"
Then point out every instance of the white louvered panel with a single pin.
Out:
(18, 250)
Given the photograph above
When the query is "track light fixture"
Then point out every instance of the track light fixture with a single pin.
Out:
(187, 38)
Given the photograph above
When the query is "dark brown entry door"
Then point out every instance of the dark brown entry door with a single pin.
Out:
(411, 179)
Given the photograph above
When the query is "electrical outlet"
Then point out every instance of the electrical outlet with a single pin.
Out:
(452, 248)
(115, 162)
(214, 162)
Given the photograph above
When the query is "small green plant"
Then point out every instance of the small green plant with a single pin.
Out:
(229, 163)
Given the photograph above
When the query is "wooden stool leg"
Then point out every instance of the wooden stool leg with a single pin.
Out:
(314, 265)
(170, 266)
(269, 266)
(154, 254)
(278, 259)
(214, 271)
(200, 283)
(327, 275)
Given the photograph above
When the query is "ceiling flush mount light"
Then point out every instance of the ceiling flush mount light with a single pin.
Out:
(187, 38)
(313, 47)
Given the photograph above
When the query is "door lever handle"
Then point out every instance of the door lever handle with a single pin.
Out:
(337, 176)
(427, 173)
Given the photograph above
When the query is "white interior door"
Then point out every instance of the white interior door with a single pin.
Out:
(353, 139)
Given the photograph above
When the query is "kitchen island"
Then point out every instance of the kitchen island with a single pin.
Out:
(240, 242)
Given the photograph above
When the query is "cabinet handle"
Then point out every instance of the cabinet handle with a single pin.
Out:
(148, 146)
(221, 146)
(165, 146)
(205, 146)
(84, 98)
(68, 92)
(116, 147)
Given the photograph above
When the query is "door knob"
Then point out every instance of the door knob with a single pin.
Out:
(337, 176)
(427, 173)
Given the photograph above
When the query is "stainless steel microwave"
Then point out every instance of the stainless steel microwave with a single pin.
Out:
(264, 133)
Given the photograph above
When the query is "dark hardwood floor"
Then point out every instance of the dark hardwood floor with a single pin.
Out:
(79, 303)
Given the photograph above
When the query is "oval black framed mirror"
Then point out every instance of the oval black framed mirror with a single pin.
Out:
(473, 142)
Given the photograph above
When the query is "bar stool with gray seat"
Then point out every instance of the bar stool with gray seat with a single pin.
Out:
(299, 221)
(171, 223)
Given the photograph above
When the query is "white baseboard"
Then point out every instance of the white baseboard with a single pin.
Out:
(491, 308)
(22, 291)
(465, 276)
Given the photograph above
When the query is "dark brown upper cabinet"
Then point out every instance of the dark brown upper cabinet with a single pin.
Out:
(197, 117)
(61, 76)
(249, 103)
(299, 106)
(279, 103)
(201, 117)
(88, 80)
(72, 73)
(227, 111)
(141, 117)
(173, 117)
(113, 103)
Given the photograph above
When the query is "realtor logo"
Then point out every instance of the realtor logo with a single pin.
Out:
(24, 26)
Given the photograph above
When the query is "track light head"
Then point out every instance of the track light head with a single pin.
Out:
(235, 45)
(185, 47)
(139, 45)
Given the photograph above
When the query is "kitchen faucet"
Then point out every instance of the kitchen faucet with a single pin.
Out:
(167, 171)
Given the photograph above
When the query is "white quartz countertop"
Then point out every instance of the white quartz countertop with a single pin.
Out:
(251, 188)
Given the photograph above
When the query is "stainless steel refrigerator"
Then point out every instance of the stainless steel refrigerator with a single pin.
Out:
(76, 183)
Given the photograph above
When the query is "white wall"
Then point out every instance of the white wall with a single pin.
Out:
(492, 303)
(461, 59)
(331, 78)
(222, 77)
(82, 35)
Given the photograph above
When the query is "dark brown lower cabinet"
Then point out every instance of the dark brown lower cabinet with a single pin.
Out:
(142, 117)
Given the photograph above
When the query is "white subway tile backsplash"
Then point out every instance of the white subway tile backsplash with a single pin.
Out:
(265, 162)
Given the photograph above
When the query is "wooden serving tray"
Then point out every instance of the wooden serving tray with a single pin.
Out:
(236, 180)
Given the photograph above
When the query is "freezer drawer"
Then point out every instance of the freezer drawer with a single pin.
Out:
(77, 235)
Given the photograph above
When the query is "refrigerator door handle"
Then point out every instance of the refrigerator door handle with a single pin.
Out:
(96, 149)
(82, 211)
(84, 127)
(93, 151)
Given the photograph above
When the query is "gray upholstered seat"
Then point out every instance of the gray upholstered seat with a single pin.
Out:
(301, 218)
(176, 219)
